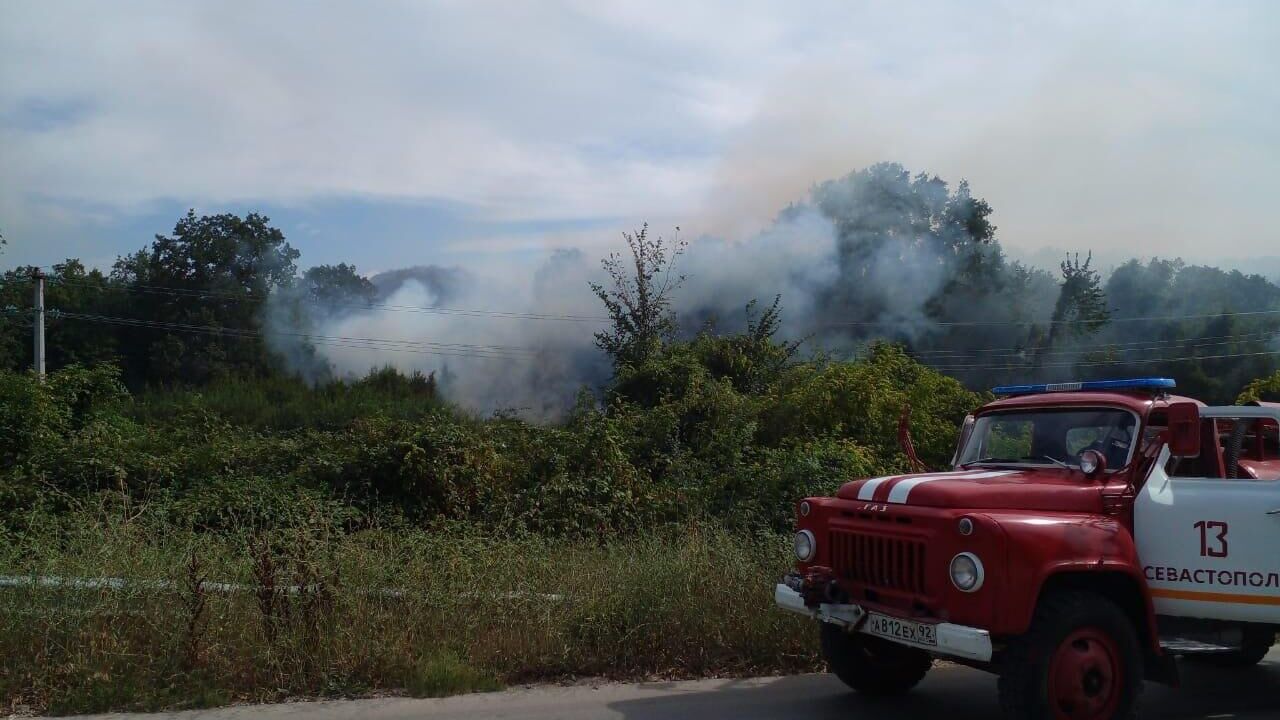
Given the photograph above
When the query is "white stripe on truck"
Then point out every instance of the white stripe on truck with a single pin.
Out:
(868, 489)
(902, 490)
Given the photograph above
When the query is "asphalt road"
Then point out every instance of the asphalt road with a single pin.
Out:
(949, 692)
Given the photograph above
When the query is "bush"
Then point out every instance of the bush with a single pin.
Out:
(36, 415)
(441, 674)
(862, 401)
(701, 446)
(1266, 389)
(281, 539)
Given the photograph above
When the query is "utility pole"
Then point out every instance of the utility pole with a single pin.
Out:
(38, 277)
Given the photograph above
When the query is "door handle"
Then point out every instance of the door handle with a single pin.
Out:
(1274, 512)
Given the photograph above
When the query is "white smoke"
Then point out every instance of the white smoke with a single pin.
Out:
(537, 362)
(485, 352)
(792, 258)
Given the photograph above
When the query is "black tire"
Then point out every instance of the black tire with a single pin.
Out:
(1257, 643)
(870, 665)
(1081, 655)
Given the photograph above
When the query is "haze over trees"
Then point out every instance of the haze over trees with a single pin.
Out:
(193, 431)
(907, 258)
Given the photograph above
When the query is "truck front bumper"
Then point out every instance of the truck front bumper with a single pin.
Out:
(958, 641)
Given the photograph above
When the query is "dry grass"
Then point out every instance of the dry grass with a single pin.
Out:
(319, 613)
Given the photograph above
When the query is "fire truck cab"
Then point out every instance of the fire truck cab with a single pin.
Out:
(1086, 536)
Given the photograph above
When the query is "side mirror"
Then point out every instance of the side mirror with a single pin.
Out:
(1184, 429)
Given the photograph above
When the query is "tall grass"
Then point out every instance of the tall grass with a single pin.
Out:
(319, 613)
(286, 402)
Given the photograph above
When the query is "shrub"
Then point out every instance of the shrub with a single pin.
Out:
(1266, 389)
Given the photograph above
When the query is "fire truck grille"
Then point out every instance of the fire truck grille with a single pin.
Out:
(878, 561)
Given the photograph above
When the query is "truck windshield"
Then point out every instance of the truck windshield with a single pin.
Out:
(1050, 437)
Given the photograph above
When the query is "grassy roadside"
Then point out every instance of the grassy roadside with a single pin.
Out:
(316, 612)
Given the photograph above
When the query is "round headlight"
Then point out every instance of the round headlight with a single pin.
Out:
(805, 508)
(805, 545)
(966, 572)
(1092, 462)
(1089, 463)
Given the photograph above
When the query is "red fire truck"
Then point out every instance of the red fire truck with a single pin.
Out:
(1086, 536)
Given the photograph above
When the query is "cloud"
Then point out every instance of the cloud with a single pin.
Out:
(1091, 126)
(1123, 130)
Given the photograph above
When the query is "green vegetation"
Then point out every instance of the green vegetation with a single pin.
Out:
(372, 539)
(699, 432)
(444, 674)
(435, 551)
(317, 610)
(913, 260)
(283, 537)
(1266, 389)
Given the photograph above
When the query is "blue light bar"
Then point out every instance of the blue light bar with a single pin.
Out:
(1131, 384)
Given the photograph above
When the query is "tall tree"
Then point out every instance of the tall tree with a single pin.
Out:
(337, 286)
(918, 262)
(638, 298)
(212, 273)
(1081, 309)
(296, 312)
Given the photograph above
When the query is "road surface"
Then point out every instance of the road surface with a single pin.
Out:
(949, 693)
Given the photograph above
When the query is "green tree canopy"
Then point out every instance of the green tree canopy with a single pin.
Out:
(212, 273)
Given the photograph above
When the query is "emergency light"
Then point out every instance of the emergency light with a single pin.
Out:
(1130, 384)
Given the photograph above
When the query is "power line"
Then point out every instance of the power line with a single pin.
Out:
(999, 358)
(427, 309)
(413, 346)
(512, 353)
(1142, 361)
(1100, 346)
(1029, 323)
(1143, 346)
(515, 315)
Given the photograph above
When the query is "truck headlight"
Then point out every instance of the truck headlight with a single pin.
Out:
(966, 572)
(805, 545)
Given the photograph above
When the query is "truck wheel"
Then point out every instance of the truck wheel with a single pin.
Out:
(870, 665)
(1257, 643)
(1080, 660)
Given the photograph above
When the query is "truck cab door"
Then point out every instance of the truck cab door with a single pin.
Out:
(1210, 546)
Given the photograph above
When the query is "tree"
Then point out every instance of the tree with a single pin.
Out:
(1081, 309)
(753, 360)
(1266, 389)
(1082, 303)
(337, 286)
(905, 242)
(918, 262)
(1210, 329)
(199, 290)
(15, 318)
(293, 313)
(71, 293)
(639, 298)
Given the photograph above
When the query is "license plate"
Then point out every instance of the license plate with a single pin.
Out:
(909, 631)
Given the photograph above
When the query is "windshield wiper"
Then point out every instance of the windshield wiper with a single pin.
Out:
(1050, 458)
(1000, 460)
(990, 460)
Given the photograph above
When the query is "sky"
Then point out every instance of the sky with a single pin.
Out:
(479, 133)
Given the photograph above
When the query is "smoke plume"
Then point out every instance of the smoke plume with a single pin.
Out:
(877, 254)
(861, 257)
